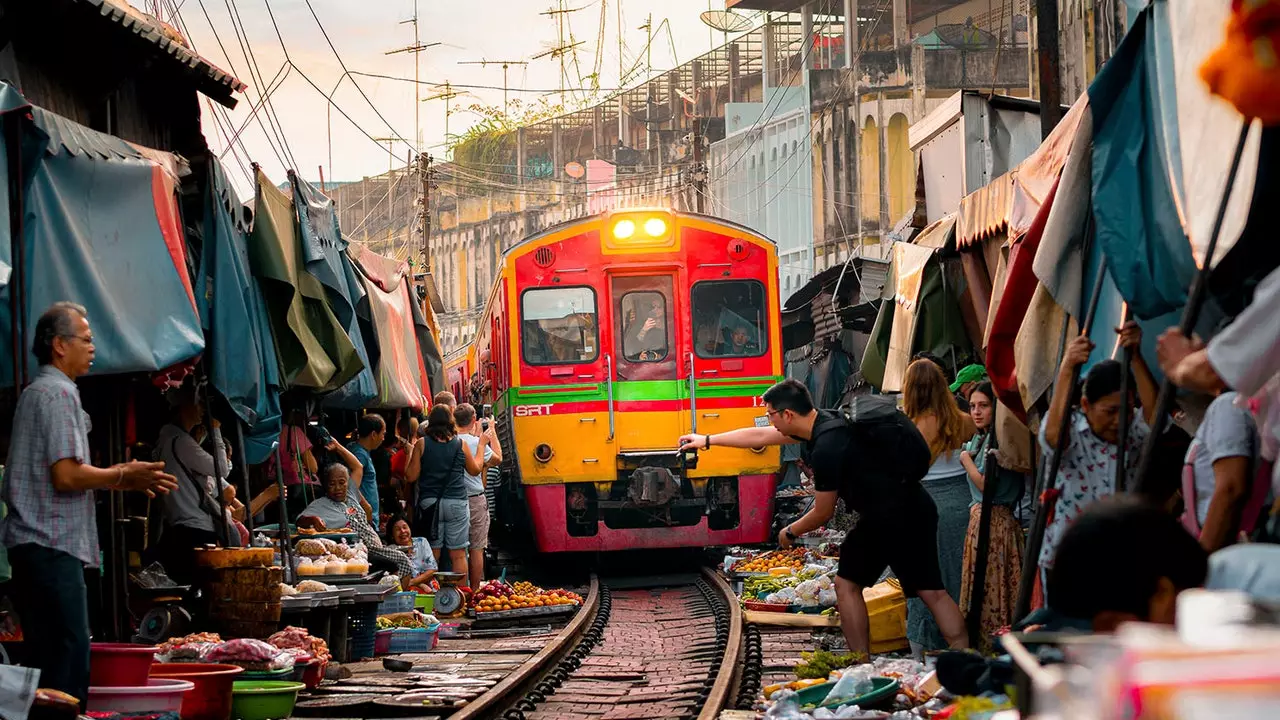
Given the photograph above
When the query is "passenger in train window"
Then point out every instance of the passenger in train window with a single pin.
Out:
(740, 343)
(645, 337)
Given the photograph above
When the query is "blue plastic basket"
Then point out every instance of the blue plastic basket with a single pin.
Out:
(400, 602)
(407, 640)
(363, 632)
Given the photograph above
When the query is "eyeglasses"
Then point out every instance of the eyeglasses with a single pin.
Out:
(86, 339)
(771, 413)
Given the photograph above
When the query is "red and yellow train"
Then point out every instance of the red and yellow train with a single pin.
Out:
(602, 342)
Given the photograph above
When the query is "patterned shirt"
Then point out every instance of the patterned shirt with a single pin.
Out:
(49, 425)
(1087, 474)
(326, 509)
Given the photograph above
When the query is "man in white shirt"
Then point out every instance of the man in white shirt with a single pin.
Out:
(478, 433)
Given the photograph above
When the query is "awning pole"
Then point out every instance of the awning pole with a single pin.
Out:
(17, 280)
(1190, 316)
(1031, 561)
(1126, 412)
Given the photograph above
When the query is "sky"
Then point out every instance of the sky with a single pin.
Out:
(299, 127)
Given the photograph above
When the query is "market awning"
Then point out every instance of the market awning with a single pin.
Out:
(103, 230)
(324, 255)
(399, 367)
(312, 346)
(241, 357)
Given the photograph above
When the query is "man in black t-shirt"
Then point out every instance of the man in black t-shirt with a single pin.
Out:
(897, 524)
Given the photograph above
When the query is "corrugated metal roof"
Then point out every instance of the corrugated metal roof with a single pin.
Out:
(985, 212)
(76, 139)
(210, 79)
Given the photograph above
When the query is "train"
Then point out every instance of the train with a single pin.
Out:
(602, 341)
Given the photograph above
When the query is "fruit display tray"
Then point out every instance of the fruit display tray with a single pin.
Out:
(523, 612)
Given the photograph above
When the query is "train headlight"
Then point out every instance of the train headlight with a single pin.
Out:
(543, 453)
(654, 227)
(624, 229)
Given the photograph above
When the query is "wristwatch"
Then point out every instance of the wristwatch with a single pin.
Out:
(787, 531)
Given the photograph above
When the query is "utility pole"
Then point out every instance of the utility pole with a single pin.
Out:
(1049, 59)
(699, 171)
(425, 178)
(416, 48)
(505, 65)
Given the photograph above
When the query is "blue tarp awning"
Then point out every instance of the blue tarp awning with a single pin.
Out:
(102, 229)
(241, 357)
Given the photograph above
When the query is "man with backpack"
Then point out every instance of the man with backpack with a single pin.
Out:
(872, 456)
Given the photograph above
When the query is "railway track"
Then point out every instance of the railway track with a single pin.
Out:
(666, 649)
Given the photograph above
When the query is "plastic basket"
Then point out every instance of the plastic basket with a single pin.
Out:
(407, 640)
(363, 627)
(425, 603)
(400, 602)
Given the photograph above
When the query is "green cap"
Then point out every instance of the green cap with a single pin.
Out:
(968, 374)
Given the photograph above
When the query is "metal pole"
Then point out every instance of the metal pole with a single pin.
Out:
(1030, 563)
(978, 591)
(244, 479)
(1126, 412)
(1190, 316)
(286, 552)
(17, 281)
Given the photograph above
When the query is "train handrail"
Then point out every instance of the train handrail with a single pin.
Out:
(608, 378)
(693, 397)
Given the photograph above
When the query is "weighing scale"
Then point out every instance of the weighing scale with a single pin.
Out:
(451, 602)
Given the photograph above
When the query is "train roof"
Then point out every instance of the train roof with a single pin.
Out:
(551, 230)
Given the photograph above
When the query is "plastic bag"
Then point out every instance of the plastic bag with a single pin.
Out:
(827, 598)
(155, 577)
(853, 682)
(786, 707)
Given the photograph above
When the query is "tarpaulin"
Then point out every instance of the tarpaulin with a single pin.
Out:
(920, 315)
(1148, 254)
(431, 359)
(241, 357)
(314, 351)
(1019, 288)
(102, 229)
(324, 254)
(399, 365)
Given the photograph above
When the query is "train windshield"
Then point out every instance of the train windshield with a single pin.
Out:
(729, 318)
(559, 325)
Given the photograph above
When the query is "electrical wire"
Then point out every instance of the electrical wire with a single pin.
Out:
(256, 76)
(343, 65)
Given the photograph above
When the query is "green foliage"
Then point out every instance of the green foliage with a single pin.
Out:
(820, 663)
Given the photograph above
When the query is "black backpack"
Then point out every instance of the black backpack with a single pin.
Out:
(890, 449)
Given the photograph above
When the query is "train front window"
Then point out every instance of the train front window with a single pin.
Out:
(729, 318)
(644, 327)
(559, 326)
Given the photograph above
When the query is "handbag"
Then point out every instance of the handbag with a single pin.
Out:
(232, 537)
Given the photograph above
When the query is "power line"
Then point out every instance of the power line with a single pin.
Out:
(325, 33)
(256, 75)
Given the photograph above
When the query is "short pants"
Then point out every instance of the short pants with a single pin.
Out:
(902, 536)
(453, 532)
(479, 506)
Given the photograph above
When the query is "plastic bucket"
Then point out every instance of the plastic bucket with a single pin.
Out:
(120, 664)
(159, 695)
(210, 699)
(264, 700)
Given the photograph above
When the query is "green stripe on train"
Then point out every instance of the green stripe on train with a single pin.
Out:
(639, 390)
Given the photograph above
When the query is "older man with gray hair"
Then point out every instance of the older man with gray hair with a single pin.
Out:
(51, 531)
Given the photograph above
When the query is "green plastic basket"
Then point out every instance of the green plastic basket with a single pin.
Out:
(425, 603)
(885, 689)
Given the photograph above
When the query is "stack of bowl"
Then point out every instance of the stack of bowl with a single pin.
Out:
(120, 681)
